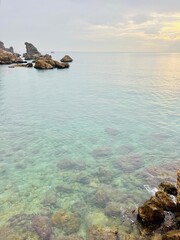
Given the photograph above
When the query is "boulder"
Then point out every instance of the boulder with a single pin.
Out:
(42, 226)
(28, 65)
(31, 52)
(166, 201)
(178, 191)
(41, 64)
(66, 58)
(61, 65)
(9, 58)
(151, 212)
(172, 235)
(168, 188)
(99, 233)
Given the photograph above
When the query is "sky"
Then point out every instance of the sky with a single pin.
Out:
(94, 25)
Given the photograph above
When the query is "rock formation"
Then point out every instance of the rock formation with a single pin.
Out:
(9, 58)
(10, 49)
(31, 52)
(66, 58)
(46, 62)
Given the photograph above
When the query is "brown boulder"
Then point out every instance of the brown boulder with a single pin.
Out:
(66, 58)
(172, 235)
(40, 64)
(168, 188)
(178, 191)
(166, 201)
(98, 233)
(42, 226)
(9, 58)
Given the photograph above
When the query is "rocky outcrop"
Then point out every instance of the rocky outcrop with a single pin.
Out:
(98, 233)
(40, 64)
(46, 62)
(31, 52)
(10, 49)
(171, 235)
(28, 65)
(9, 58)
(168, 188)
(66, 58)
(178, 192)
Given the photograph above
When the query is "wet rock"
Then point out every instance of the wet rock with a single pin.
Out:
(172, 235)
(178, 191)
(28, 65)
(166, 201)
(102, 152)
(9, 58)
(96, 219)
(42, 226)
(83, 178)
(112, 131)
(151, 212)
(61, 65)
(71, 164)
(113, 209)
(98, 233)
(66, 58)
(40, 64)
(31, 52)
(101, 198)
(50, 198)
(168, 188)
(66, 221)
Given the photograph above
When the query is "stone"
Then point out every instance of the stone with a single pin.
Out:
(102, 152)
(40, 64)
(9, 58)
(151, 212)
(66, 221)
(166, 201)
(28, 65)
(70, 237)
(113, 209)
(66, 58)
(99, 233)
(69, 164)
(168, 188)
(61, 65)
(104, 174)
(42, 226)
(101, 198)
(178, 191)
(31, 52)
(172, 235)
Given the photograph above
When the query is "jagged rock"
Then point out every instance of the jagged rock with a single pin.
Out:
(172, 235)
(166, 201)
(28, 65)
(48, 59)
(61, 65)
(151, 212)
(10, 49)
(178, 191)
(98, 233)
(42, 226)
(9, 58)
(40, 64)
(168, 188)
(66, 58)
(31, 52)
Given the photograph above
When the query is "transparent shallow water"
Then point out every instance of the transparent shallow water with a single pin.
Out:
(106, 126)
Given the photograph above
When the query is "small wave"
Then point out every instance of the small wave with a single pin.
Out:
(151, 191)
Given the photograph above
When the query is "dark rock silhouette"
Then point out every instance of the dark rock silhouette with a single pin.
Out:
(31, 52)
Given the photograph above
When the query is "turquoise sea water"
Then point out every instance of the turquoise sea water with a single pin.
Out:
(79, 140)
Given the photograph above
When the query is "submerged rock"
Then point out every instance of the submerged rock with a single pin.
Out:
(113, 209)
(28, 65)
(98, 233)
(104, 174)
(31, 52)
(66, 58)
(66, 221)
(178, 191)
(172, 235)
(112, 131)
(70, 237)
(71, 164)
(101, 198)
(42, 226)
(102, 152)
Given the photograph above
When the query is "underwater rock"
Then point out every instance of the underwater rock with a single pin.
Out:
(113, 209)
(83, 178)
(66, 58)
(166, 201)
(50, 198)
(128, 163)
(151, 212)
(104, 174)
(112, 131)
(96, 219)
(178, 191)
(66, 221)
(101, 198)
(64, 188)
(69, 164)
(168, 188)
(98, 233)
(70, 237)
(102, 152)
(42, 226)
(171, 235)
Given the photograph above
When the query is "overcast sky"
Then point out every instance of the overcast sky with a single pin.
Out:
(94, 25)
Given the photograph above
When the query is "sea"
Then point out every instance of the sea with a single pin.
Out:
(83, 147)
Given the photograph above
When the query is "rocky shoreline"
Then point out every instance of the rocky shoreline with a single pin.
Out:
(7, 56)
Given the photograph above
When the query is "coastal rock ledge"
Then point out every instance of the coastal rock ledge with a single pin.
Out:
(161, 213)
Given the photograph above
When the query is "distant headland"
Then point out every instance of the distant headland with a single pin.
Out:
(39, 61)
